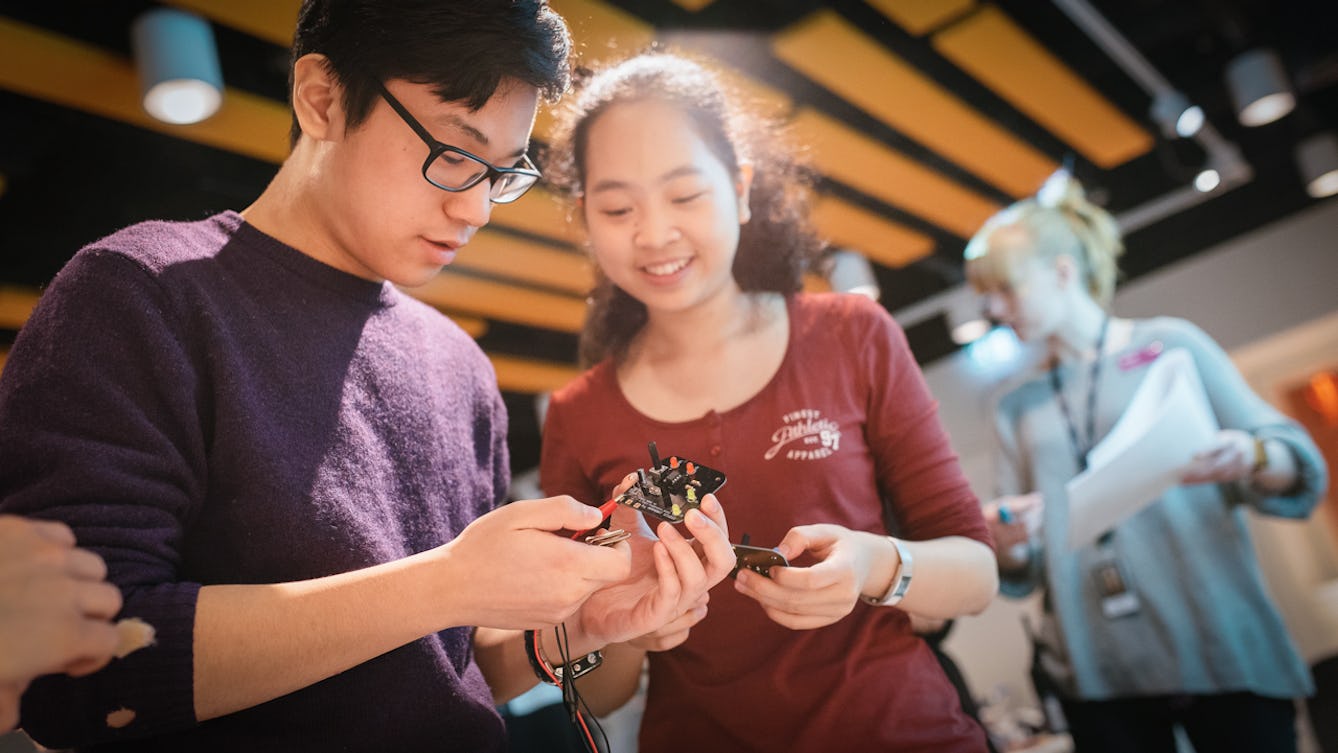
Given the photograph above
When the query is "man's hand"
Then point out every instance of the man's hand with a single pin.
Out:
(522, 574)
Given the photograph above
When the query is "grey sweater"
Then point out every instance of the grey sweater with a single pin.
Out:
(1206, 623)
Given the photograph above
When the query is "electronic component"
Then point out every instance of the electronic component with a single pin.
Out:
(758, 559)
(668, 489)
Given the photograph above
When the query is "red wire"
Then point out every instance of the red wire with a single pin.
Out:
(590, 738)
(606, 509)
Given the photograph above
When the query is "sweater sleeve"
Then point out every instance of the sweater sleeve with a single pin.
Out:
(99, 428)
(919, 473)
(1239, 407)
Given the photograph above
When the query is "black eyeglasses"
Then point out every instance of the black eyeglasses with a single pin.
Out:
(451, 168)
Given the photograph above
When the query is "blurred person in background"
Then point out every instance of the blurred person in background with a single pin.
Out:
(1165, 619)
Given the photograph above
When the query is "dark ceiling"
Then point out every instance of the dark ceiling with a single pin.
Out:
(70, 176)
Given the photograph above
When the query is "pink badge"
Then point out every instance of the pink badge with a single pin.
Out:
(1141, 357)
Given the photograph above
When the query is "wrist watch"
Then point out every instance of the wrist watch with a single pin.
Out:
(901, 579)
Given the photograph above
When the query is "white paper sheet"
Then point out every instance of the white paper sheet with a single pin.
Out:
(1168, 420)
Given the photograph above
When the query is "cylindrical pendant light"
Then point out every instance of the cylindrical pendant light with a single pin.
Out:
(1175, 115)
(179, 73)
(850, 272)
(1259, 87)
(1317, 159)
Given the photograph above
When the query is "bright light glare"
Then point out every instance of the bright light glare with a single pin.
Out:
(1267, 109)
(182, 101)
(1189, 122)
(1207, 180)
(969, 332)
(1324, 185)
(997, 350)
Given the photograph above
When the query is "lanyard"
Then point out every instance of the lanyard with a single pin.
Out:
(1080, 448)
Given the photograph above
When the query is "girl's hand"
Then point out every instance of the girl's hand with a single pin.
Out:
(802, 598)
(674, 633)
(669, 576)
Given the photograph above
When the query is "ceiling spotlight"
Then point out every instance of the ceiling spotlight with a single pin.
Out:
(1317, 159)
(850, 272)
(1173, 112)
(179, 73)
(1225, 168)
(1259, 87)
(1207, 179)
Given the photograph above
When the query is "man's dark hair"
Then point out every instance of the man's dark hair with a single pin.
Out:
(462, 48)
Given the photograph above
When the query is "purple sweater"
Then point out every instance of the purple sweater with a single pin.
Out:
(205, 405)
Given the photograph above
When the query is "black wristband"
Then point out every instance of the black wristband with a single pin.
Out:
(550, 674)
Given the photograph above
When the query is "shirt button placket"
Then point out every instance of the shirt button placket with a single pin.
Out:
(716, 436)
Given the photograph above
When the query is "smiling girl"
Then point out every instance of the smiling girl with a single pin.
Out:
(810, 403)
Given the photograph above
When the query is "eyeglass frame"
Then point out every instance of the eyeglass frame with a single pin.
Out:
(437, 148)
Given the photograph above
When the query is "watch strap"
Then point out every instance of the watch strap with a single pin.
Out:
(901, 579)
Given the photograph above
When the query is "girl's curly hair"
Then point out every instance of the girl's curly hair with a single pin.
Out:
(776, 246)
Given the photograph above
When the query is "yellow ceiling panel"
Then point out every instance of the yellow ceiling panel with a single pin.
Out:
(816, 283)
(882, 240)
(828, 49)
(527, 375)
(47, 66)
(692, 5)
(861, 162)
(540, 212)
(271, 20)
(472, 325)
(600, 33)
(1002, 55)
(495, 300)
(16, 305)
(921, 16)
(754, 95)
(517, 259)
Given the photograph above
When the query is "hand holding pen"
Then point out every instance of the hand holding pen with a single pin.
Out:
(1013, 520)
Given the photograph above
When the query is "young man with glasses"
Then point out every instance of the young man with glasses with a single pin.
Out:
(291, 468)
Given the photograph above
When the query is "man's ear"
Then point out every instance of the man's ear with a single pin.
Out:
(744, 186)
(317, 98)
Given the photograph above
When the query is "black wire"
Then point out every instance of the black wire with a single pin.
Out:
(572, 700)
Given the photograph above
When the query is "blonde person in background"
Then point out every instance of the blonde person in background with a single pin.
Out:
(812, 405)
(1164, 620)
